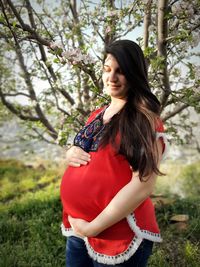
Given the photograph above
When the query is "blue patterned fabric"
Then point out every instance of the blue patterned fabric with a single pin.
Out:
(89, 136)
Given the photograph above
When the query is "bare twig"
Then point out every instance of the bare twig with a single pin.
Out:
(25, 26)
(28, 82)
(170, 38)
(17, 94)
(16, 110)
(41, 136)
(176, 111)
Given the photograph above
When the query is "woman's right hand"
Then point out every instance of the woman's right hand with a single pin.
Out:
(76, 156)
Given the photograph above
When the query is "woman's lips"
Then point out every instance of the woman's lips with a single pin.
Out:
(114, 86)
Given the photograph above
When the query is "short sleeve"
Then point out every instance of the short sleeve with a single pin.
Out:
(160, 134)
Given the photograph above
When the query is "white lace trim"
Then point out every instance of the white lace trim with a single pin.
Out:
(68, 232)
(142, 233)
(164, 137)
(117, 259)
(124, 256)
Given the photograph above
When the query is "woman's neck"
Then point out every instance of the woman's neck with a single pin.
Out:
(115, 106)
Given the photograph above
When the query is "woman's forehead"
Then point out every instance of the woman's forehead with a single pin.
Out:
(110, 58)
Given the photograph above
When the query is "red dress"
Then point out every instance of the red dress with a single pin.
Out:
(87, 190)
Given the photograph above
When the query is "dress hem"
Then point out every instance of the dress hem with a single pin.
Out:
(140, 234)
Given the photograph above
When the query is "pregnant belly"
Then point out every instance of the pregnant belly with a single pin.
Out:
(87, 190)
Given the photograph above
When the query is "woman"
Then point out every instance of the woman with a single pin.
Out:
(107, 213)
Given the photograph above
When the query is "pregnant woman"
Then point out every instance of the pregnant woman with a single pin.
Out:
(108, 216)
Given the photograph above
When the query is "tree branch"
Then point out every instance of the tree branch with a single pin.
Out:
(162, 50)
(147, 23)
(110, 36)
(89, 71)
(15, 110)
(17, 94)
(43, 54)
(25, 26)
(41, 135)
(73, 8)
(41, 48)
(28, 82)
(170, 38)
(176, 110)
(33, 97)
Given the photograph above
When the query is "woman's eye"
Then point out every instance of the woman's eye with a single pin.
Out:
(106, 69)
(120, 71)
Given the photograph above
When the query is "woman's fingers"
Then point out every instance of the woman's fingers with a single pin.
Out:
(76, 157)
(80, 155)
(73, 164)
(78, 161)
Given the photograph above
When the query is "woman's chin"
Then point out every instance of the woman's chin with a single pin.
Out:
(117, 95)
(114, 91)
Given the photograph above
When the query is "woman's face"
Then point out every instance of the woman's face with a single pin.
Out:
(113, 79)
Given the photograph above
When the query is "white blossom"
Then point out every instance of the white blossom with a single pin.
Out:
(152, 28)
(145, 1)
(62, 60)
(175, 23)
(112, 13)
(196, 39)
(76, 56)
(62, 119)
(184, 5)
(93, 39)
(184, 46)
(108, 29)
(33, 103)
(176, 8)
(54, 45)
(59, 138)
(65, 54)
(197, 72)
(196, 91)
(190, 11)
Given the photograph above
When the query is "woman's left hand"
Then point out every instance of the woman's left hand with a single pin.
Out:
(81, 227)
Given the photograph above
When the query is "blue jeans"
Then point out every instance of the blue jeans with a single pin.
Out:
(77, 255)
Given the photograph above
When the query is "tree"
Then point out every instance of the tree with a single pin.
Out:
(60, 46)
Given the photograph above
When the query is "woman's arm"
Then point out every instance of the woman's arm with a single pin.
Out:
(123, 203)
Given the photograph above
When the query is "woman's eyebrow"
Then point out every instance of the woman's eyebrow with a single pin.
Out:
(117, 69)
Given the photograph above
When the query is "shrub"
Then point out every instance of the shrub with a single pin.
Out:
(189, 180)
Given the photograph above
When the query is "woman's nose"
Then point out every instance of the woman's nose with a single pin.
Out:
(113, 76)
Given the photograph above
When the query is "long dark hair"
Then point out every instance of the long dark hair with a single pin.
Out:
(135, 123)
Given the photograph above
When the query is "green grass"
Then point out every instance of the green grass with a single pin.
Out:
(30, 217)
(19, 182)
(179, 247)
(31, 235)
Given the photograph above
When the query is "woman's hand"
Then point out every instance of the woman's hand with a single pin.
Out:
(82, 227)
(76, 156)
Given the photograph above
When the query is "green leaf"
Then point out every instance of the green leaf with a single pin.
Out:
(56, 60)
(14, 24)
